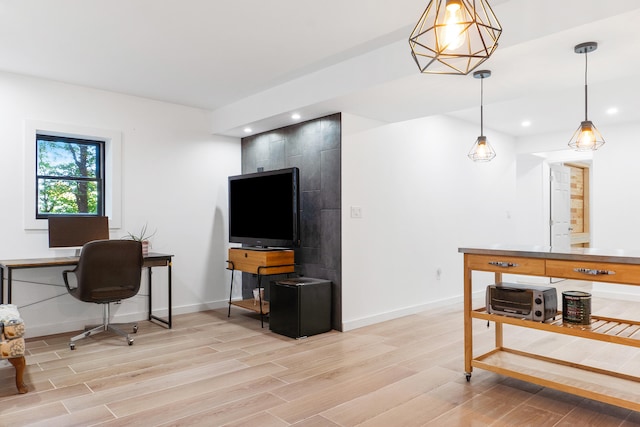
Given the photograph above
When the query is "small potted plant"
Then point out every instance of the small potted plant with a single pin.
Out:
(143, 237)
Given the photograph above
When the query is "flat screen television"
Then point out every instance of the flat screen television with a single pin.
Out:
(264, 208)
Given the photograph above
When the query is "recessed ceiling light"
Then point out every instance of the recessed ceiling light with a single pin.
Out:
(247, 130)
(612, 111)
(526, 123)
(295, 116)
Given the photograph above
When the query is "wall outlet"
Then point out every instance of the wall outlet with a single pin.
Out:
(356, 212)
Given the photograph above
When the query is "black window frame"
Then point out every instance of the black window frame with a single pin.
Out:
(99, 179)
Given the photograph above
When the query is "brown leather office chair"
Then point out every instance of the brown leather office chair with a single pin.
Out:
(107, 271)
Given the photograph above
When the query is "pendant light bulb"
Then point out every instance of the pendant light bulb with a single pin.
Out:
(586, 137)
(453, 34)
(482, 151)
(586, 140)
(482, 148)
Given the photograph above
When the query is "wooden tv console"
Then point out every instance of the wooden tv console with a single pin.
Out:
(262, 263)
(587, 264)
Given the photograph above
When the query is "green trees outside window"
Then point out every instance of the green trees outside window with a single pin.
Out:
(69, 176)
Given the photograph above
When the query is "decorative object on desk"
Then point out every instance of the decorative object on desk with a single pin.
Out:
(142, 237)
(482, 151)
(454, 36)
(586, 137)
(12, 345)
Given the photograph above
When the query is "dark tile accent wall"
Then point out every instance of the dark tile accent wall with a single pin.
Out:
(313, 147)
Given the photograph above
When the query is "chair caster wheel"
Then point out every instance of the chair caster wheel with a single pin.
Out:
(130, 341)
(72, 346)
(135, 329)
(468, 376)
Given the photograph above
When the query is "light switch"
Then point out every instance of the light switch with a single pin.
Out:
(356, 212)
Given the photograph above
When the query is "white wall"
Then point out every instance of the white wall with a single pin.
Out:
(614, 204)
(532, 227)
(174, 177)
(421, 199)
(533, 185)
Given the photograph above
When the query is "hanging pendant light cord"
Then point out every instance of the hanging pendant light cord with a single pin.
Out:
(481, 106)
(585, 87)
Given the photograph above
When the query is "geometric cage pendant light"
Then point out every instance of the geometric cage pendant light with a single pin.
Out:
(586, 137)
(454, 36)
(482, 151)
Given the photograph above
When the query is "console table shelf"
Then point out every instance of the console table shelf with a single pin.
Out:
(616, 388)
(598, 384)
(617, 331)
(251, 304)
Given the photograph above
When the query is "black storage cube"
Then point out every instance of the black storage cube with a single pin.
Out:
(300, 307)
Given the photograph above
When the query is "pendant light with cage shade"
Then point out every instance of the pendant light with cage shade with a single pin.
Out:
(454, 36)
(586, 137)
(482, 151)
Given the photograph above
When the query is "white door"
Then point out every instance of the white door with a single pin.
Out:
(560, 218)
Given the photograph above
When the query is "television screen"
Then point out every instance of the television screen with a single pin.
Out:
(264, 208)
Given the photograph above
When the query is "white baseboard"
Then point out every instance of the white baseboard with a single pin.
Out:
(32, 331)
(390, 315)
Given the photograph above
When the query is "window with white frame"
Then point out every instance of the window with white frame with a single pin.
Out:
(108, 169)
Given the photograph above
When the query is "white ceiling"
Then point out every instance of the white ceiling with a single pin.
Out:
(253, 62)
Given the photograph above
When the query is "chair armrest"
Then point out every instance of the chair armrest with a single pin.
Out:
(66, 280)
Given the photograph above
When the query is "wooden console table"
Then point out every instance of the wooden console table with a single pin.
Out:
(262, 263)
(588, 264)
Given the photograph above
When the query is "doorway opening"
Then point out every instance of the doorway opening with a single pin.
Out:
(569, 223)
(580, 230)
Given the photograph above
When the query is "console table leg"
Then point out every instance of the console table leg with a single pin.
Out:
(230, 293)
(468, 330)
(499, 341)
(260, 298)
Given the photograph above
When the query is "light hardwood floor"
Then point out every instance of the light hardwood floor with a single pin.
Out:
(211, 370)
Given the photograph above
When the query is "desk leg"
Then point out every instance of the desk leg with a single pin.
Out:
(151, 316)
(1, 285)
(169, 291)
(150, 291)
(8, 285)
